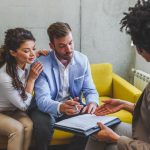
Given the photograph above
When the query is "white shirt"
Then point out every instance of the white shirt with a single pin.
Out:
(63, 93)
(10, 98)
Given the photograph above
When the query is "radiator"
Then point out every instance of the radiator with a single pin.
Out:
(141, 79)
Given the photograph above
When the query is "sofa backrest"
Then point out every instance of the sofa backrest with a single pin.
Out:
(102, 77)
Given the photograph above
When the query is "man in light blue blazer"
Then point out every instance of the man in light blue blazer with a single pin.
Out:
(65, 79)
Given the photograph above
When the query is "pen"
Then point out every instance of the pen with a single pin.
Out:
(76, 108)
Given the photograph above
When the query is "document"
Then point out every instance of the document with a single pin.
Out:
(85, 124)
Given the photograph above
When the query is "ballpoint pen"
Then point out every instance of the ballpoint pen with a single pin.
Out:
(76, 108)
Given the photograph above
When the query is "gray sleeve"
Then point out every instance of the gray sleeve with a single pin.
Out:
(125, 143)
(13, 96)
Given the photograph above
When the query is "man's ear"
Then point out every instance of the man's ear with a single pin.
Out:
(13, 53)
(51, 45)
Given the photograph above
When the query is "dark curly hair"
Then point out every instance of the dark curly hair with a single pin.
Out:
(137, 24)
(13, 40)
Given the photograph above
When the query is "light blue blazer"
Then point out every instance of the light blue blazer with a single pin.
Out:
(48, 83)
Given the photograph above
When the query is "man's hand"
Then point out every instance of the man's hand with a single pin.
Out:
(106, 134)
(109, 106)
(90, 108)
(70, 107)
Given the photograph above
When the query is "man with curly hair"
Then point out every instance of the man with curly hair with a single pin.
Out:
(125, 136)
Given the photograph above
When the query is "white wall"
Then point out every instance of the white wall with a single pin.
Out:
(101, 38)
(37, 15)
(95, 25)
(142, 64)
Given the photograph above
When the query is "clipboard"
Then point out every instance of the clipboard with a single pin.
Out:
(76, 124)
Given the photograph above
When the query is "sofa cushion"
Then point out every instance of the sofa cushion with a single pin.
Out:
(61, 137)
(102, 77)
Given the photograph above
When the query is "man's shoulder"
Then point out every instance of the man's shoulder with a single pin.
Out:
(79, 54)
(80, 57)
(46, 59)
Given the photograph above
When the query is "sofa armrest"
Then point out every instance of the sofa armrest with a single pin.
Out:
(122, 89)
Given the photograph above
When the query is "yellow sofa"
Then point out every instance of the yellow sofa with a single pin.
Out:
(108, 84)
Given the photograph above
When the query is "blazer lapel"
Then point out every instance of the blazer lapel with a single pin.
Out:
(56, 71)
(56, 75)
(72, 72)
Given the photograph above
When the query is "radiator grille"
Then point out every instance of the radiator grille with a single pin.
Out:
(141, 79)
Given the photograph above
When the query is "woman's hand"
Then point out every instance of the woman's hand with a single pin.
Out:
(41, 52)
(109, 106)
(35, 70)
(106, 134)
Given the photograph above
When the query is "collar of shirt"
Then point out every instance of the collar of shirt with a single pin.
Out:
(23, 74)
(64, 80)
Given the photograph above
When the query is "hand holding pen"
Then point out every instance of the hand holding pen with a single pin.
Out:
(75, 106)
(71, 106)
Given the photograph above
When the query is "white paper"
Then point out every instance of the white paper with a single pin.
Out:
(85, 122)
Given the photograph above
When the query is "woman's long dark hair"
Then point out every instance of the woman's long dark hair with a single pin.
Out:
(13, 40)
